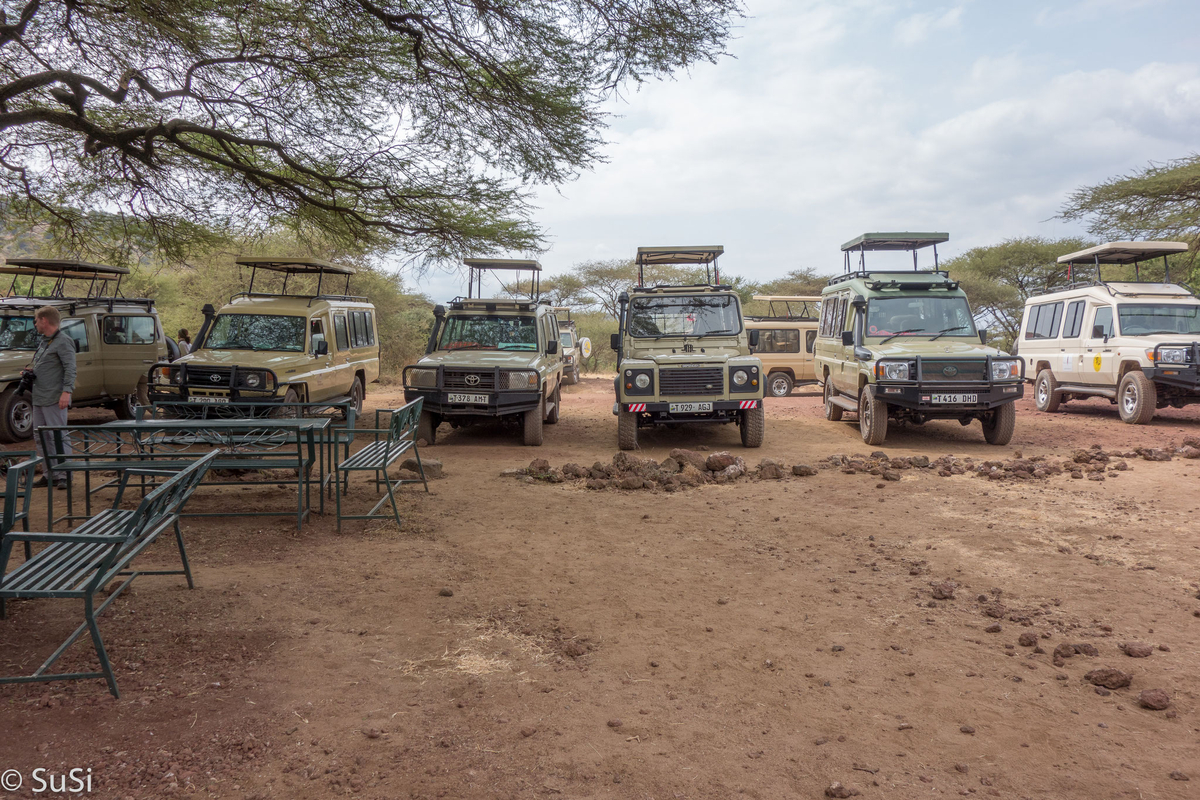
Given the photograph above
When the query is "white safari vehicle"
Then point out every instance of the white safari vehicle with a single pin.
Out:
(1136, 342)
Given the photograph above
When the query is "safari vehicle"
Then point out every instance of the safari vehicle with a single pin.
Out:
(490, 358)
(903, 347)
(574, 349)
(116, 338)
(683, 353)
(786, 336)
(278, 346)
(1136, 342)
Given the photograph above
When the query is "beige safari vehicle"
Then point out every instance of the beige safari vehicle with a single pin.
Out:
(574, 349)
(787, 334)
(490, 358)
(683, 353)
(1136, 343)
(902, 347)
(116, 338)
(278, 347)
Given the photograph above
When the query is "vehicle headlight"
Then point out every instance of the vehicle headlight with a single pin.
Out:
(421, 378)
(522, 380)
(740, 377)
(1173, 355)
(253, 380)
(894, 371)
(642, 380)
(177, 376)
(1004, 370)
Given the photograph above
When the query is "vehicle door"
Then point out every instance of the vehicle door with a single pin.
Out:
(1069, 357)
(551, 363)
(322, 381)
(1040, 340)
(808, 365)
(845, 375)
(89, 374)
(1097, 363)
(129, 346)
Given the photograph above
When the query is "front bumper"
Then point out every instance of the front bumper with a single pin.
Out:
(499, 404)
(660, 413)
(197, 386)
(1179, 376)
(920, 396)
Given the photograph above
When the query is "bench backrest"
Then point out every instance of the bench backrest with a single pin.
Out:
(403, 424)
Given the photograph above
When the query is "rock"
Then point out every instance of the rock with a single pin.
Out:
(1109, 678)
(803, 470)
(446, 593)
(1096, 476)
(770, 470)
(1064, 650)
(720, 461)
(1188, 452)
(995, 610)
(409, 475)
(575, 471)
(967, 729)
(624, 462)
(1178, 776)
(615, 723)
(669, 466)
(631, 482)
(1137, 649)
(372, 733)
(527, 732)
(1154, 455)
(963, 768)
(835, 789)
(690, 476)
(1085, 649)
(689, 457)
(596, 484)
(993, 628)
(891, 475)
(1154, 699)
(538, 465)
(944, 591)
(1027, 639)
(920, 461)
(433, 467)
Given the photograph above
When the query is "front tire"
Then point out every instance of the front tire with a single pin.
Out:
(531, 424)
(779, 384)
(998, 426)
(552, 417)
(1137, 397)
(872, 417)
(833, 412)
(16, 416)
(287, 411)
(357, 393)
(754, 426)
(427, 427)
(627, 430)
(1045, 392)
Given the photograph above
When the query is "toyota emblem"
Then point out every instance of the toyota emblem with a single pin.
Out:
(949, 370)
(471, 380)
(215, 378)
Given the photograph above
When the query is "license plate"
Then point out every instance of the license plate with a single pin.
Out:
(689, 408)
(208, 399)
(477, 399)
(956, 399)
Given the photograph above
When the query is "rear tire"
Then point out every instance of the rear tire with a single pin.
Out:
(531, 424)
(427, 427)
(1137, 398)
(570, 378)
(16, 416)
(998, 426)
(627, 430)
(779, 384)
(552, 417)
(356, 396)
(833, 412)
(872, 417)
(1045, 392)
(754, 426)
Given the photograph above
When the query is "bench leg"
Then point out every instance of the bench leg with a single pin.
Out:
(392, 497)
(339, 477)
(187, 569)
(421, 467)
(94, 630)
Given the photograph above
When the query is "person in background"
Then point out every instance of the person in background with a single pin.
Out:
(184, 340)
(53, 367)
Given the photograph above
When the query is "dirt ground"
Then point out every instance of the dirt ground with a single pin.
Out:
(761, 638)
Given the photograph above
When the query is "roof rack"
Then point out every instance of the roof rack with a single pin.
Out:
(294, 266)
(1124, 253)
(62, 270)
(696, 254)
(490, 304)
(894, 242)
(477, 266)
(808, 305)
(71, 304)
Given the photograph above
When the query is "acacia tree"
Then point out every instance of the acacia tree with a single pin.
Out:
(417, 124)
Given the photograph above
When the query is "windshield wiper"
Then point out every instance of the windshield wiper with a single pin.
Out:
(948, 330)
(902, 333)
(717, 333)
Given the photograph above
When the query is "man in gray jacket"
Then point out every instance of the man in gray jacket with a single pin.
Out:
(54, 380)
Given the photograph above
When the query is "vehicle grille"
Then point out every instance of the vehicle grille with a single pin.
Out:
(691, 381)
(202, 377)
(457, 379)
(960, 371)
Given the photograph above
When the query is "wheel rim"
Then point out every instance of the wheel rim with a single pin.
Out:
(131, 404)
(864, 412)
(1042, 392)
(779, 387)
(22, 417)
(358, 398)
(1129, 399)
(828, 397)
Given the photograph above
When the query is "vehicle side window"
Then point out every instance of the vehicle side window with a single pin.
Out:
(1074, 320)
(810, 338)
(841, 317)
(827, 310)
(1044, 321)
(362, 332)
(77, 330)
(369, 321)
(119, 329)
(779, 341)
(339, 330)
(1102, 325)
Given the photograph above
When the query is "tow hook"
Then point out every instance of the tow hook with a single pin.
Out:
(616, 409)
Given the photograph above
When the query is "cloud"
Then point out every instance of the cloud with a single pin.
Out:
(919, 27)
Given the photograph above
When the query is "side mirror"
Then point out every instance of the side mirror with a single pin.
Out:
(322, 348)
(552, 347)
(847, 338)
(983, 332)
(754, 338)
(614, 341)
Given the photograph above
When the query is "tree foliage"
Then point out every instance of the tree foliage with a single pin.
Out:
(415, 124)
(1161, 201)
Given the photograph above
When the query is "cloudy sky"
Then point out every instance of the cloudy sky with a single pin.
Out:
(835, 118)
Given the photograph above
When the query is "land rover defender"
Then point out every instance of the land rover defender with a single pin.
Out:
(574, 349)
(683, 353)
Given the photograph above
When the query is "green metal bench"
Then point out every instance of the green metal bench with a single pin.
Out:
(20, 470)
(379, 455)
(79, 565)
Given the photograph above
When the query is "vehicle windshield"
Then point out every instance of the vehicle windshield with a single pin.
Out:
(926, 315)
(489, 332)
(18, 333)
(568, 341)
(673, 315)
(1146, 319)
(257, 332)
